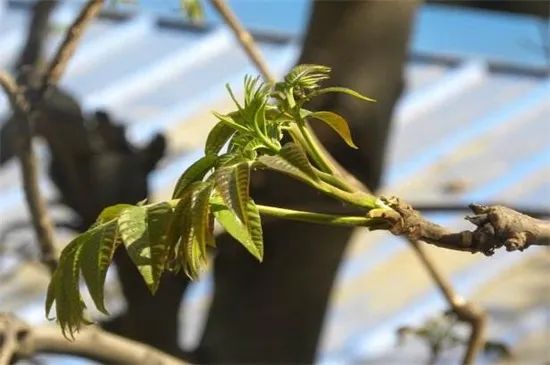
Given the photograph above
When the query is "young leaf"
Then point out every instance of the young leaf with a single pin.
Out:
(231, 122)
(202, 229)
(96, 256)
(177, 232)
(344, 90)
(307, 76)
(255, 231)
(294, 154)
(143, 231)
(187, 252)
(63, 289)
(281, 164)
(336, 122)
(194, 173)
(249, 236)
(232, 182)
(259, 117)
(194, 258)
(217, 138)
(111, 212)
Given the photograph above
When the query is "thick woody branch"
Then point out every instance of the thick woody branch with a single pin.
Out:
(497, 226)
(37, 207)
(22, 341)
(244, 37)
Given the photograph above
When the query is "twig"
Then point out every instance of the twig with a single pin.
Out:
(461, 208)
(68, 46)
(92, 343)
(37, 207)
(466, 312)
(244, 37)
(497, 226)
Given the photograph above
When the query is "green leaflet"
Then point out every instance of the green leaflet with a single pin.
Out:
(259, 117)
(111, 212)
(177, 231)
(232, 183)
(63, 289)
(194, 173)
(230, 121)
(294, 154)
(96, 255)
(185, 251)
(249, 236)
(291, 161)
(196, 227)
(143, 231)
(217, 138)
(344, 90)
(202, 228)
(194, 259)
(336, 122)
(255, 229)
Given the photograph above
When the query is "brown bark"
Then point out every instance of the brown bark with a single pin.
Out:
(497, 226)
(21, 341)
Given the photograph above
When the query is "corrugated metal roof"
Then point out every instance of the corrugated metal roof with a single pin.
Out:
(475, 112)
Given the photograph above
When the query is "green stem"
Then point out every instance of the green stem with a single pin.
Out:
(315, 153)
(358, 199)
(331, 174)
(333, 180)
(312, 217)
(268, 143)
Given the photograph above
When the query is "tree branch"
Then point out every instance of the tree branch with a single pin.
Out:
(466, 312)
(244, 37)
(23, 109)
(37, 207)
(23, 341)
(68, 46)
(497, 226)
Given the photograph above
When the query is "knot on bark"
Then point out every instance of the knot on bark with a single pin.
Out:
(503, 226)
